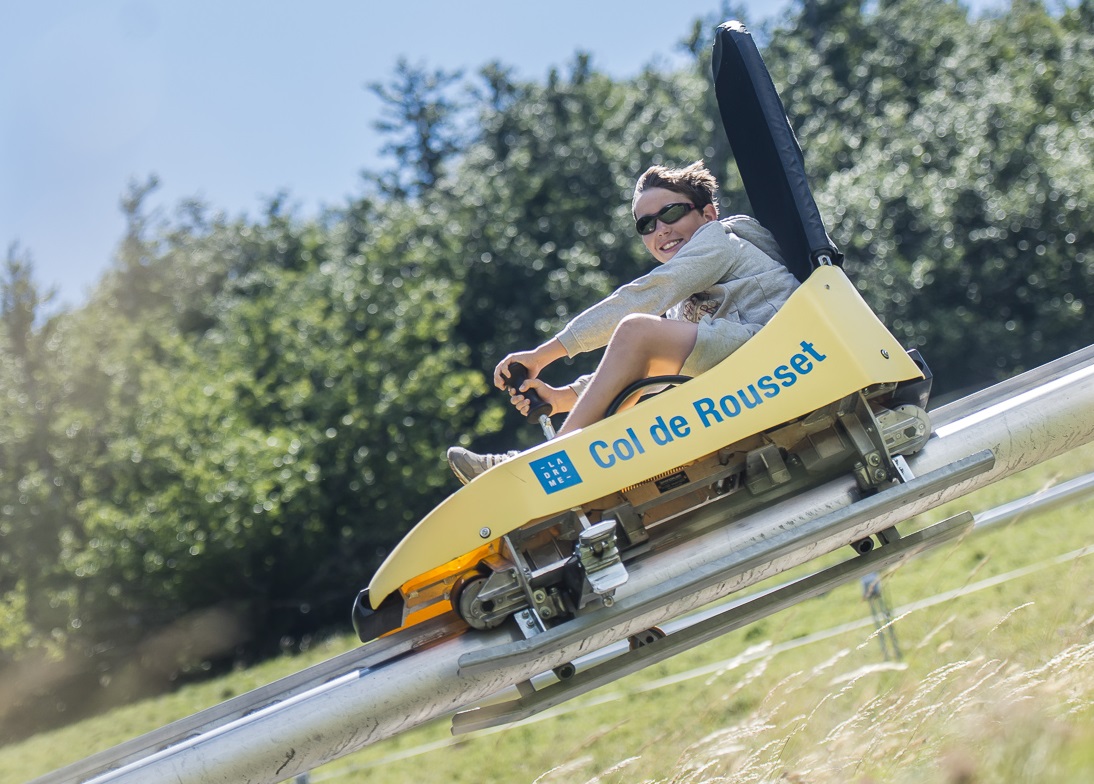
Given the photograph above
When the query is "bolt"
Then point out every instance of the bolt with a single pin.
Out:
(609, 601)
(484, 532)
(885, 353)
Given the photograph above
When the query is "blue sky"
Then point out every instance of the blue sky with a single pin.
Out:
(233, 101)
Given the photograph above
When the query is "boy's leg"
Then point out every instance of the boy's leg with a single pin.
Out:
(641, 346)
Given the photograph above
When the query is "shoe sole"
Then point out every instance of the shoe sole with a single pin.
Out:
(459, 474)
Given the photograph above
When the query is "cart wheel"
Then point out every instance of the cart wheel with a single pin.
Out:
(644, 638)
(469, 607)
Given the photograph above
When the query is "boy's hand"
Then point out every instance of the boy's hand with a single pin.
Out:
(534, 360)
(560, 400)
(526, 358)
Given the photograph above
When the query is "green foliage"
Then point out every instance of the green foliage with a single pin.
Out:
(260, 463)
(32, 509)
(419, 120)
(955, 171)
(249, 414)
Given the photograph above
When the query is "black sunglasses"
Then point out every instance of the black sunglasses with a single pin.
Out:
(670, 213)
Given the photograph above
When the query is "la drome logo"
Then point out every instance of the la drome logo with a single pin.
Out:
(555, 472)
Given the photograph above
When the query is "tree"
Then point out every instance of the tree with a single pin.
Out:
(950, 171)
(421, 119)
(31, 516)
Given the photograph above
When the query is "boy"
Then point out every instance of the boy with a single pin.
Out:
(717, 284)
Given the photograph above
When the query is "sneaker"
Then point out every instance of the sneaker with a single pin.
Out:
(467, 465)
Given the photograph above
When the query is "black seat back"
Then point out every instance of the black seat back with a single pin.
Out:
(767, 152)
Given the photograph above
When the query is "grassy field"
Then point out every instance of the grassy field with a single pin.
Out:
(996, 684)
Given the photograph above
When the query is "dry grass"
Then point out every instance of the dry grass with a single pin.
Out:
(980, 719)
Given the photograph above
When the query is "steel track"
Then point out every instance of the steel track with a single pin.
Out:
(365, 658)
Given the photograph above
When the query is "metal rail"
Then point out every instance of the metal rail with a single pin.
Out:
(699, 631)
(381, 689)
(365, 657)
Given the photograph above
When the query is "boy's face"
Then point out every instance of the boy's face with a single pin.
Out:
(667, 238)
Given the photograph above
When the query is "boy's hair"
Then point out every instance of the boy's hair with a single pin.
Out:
(694, 181)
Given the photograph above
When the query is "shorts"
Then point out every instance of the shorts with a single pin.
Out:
(714, 341)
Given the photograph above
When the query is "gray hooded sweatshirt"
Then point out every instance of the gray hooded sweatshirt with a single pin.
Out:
(729, 279)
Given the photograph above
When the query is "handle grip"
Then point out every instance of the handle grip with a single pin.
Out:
(518, 374)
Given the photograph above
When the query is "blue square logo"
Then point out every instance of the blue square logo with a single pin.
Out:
(555, 472)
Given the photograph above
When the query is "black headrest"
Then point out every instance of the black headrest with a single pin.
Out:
(767, 152)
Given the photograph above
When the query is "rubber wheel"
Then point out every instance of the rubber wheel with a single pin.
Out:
(469, 608)
(644, 638)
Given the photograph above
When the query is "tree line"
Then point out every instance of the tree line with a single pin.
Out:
(205, 461)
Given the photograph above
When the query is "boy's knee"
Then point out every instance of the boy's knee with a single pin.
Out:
(636, 328)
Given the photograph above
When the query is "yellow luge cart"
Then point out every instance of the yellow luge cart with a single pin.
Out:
(824, 388)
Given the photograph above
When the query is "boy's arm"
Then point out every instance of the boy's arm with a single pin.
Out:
(706, 259)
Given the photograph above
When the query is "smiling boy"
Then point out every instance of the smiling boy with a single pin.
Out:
(718, 282)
